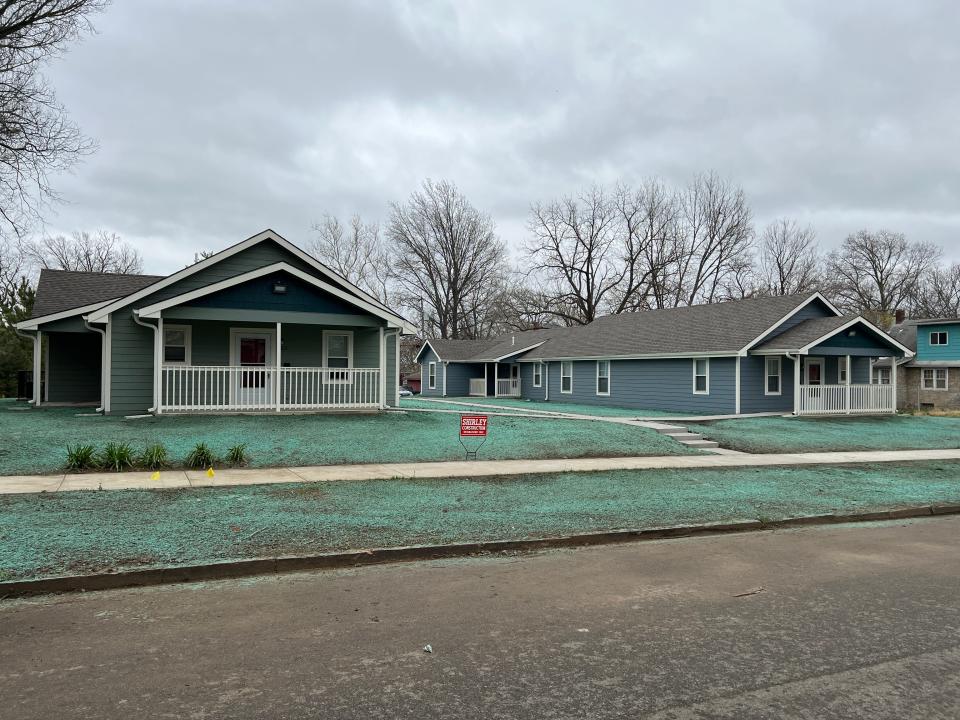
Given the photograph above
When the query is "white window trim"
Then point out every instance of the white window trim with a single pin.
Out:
(875, 373)
(841, 366)
(570, 363)
(946, 338)
(934, 388)
(701, 392)
(188, 344)
(431, 375)
(538, 375)
(767, 375)
(328, 376)
(607, 393)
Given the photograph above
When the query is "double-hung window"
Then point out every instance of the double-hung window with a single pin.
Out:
(934, 378)
(701, 376)
(537, 374)
(842, 371)
(881, 376)
(938, 338)
(432, 376)
(338, 353)
(566, 377)
(176, 345)
(774, 376)
(603, 377)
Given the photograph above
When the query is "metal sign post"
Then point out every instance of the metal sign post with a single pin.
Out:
(473, 426)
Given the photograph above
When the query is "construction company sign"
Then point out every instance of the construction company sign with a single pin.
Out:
(473, 426)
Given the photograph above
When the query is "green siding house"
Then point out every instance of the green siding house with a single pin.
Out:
(259, 327)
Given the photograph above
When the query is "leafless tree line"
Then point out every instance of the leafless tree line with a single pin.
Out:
(620, 249)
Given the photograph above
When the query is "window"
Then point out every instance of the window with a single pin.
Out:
(537, 374)
(603, 377)
(842, 371)
(938, 338)
(176, 344)
(774, 377)
(432, 376)
(338, 353)
(881, 376)
(566, 377)
(701, 376)
(934, 378)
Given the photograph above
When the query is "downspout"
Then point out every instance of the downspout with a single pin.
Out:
(796, 370)
(103, 359)
(156, 340)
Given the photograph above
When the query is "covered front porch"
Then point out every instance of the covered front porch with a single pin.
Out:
(849, 393)
(499, 380)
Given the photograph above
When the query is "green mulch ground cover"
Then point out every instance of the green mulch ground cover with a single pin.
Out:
(88, 531)
(34, 441)
(536, 406)
(823, 434)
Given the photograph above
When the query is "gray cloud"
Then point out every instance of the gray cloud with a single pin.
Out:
(218, 119)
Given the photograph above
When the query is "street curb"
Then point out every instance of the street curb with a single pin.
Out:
(380, 556)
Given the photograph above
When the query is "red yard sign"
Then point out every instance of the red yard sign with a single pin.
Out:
(473, 426)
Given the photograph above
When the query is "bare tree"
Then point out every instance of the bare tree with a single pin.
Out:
(573, 249)
(87, 252)
(876, 272)
(938, 293)
(36, 138)
(716, 232)
(356, 252)
(789, 261)
(448, 258)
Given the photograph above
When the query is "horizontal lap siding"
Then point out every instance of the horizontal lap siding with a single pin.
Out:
(458, 378)
(73, 374)
(428, 357)
(663, 384)
(131, 372)
(393, 382)
(814, 310)
(753, 380)
(527, 390)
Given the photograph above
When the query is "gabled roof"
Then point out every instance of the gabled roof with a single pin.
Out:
(61, 290)
(805, 335)
(488, 349)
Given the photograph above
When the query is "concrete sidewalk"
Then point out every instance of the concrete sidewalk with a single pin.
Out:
(486, 468)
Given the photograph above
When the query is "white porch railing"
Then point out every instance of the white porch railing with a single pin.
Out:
(478, 387)
(845, 399)
(508, 388)
(208, 388)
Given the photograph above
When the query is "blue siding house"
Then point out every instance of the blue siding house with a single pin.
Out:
(794, 354)
(931, 378)
(258, 327)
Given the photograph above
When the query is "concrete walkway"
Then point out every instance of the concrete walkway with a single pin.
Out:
(454, 469)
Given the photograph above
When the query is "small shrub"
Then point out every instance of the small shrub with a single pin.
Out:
(237, 455)
(154, 457)
(117, 456)
(201, 456)
(81, 457)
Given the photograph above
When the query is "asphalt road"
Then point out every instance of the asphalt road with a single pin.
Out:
(838, 622)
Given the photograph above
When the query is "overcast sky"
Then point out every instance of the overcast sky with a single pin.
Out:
(216, 120)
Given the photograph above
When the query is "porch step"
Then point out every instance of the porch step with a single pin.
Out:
(683, 436)
(701, 443)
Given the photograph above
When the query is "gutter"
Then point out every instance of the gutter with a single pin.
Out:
(103, 355)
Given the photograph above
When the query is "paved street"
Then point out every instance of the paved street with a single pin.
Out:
(836, 622)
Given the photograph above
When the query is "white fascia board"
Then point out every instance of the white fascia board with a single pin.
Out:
(907, 351)
(798, 308)
(153, 311)
(100, 316)
(32, 323)
(426, 344)
(655, 356)
(509, 354)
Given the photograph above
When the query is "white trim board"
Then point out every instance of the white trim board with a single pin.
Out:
(229, 252)
(798, 308)
(32, 323)
(154, 311)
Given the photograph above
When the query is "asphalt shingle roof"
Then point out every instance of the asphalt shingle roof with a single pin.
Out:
(804, 333)
(59, 290)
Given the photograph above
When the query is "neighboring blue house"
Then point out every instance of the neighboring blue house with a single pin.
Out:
(796, 354)
(931, 378)
(258, 327)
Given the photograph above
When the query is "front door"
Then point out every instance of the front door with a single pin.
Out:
(814, 371)
(253, 353)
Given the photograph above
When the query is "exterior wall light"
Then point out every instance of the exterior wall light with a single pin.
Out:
(279, 287)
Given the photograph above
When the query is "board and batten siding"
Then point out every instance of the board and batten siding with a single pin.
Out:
(655, 384)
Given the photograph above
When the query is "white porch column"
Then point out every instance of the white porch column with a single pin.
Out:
(736, 406)
(496, 379)
(276, 372)
(847, 388)
(382, 385)
(485, 385)
(158, 368)
(893, 383)
(796, 384)
(37, 377)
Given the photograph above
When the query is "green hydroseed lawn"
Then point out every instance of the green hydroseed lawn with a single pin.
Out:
(89, 531)
(825, 434)
(35, 441)
(536, 406)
